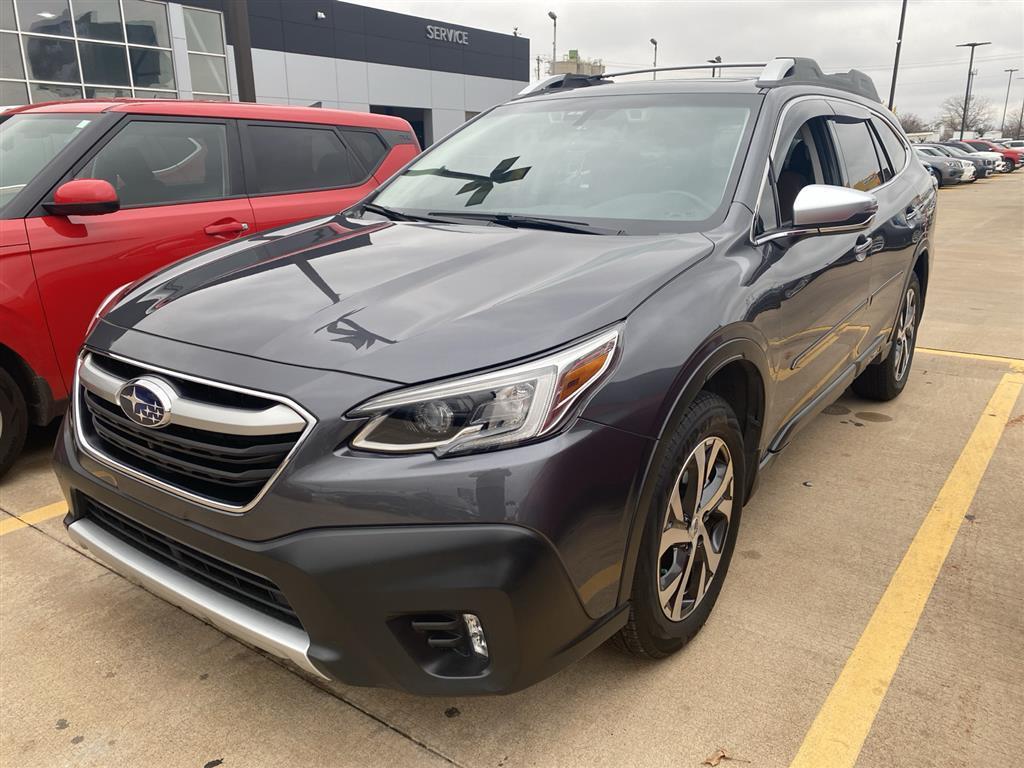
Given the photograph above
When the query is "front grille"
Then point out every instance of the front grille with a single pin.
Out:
(254, 591)
(228, 469)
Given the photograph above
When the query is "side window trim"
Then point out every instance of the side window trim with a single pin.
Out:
(833, 101)
(236, 186)
(249, 156)
(802, 109)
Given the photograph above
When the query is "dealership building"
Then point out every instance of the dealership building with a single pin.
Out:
(305, 52)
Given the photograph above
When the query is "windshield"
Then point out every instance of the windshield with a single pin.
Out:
(28, 142)
(640, 164)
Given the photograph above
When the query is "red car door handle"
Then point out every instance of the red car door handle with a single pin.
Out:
(226, 227)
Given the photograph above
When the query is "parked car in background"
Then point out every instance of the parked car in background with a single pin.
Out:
(969, 169)
(1014, 144)
(95, 194)
(1001, 165)
(945, 170)
(984, 166)
(512, 404)
(1011, 156)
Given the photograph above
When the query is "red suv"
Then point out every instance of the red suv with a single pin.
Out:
(96, 194)
(1011, 156)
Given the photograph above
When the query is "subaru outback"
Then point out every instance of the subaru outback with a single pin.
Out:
(511, 405)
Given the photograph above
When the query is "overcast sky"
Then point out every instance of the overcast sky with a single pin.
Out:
(840, 34)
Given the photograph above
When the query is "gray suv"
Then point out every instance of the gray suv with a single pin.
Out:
(511, 405)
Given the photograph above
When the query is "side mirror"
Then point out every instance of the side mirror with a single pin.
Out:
(84, 197)
(826, 208)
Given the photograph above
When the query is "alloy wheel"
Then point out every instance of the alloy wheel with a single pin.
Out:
(905, 328)
(695, 527)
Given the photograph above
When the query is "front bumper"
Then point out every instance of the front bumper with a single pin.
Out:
(356, 591)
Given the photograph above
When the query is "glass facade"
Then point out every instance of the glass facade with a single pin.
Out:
(207, 59)
(67, 49)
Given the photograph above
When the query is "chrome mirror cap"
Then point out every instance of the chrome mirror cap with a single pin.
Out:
(823, 206)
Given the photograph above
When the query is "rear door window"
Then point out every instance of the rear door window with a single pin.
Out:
(863, 170)
(287, 158)
(151, 162)
(893, 145)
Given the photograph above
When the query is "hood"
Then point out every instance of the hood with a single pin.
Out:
(405, 302)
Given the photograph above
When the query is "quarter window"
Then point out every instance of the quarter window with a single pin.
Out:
(291, 159)
(368, 147)
(863, 171)
(157, 163)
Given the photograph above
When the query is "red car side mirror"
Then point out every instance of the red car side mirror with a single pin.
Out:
(84, 197)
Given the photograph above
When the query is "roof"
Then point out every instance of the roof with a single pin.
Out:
(225, 109)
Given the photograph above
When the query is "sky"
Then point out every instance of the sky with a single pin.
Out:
(839, 34)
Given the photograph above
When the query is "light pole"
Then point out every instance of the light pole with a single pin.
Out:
(1020, 118)
(716, 60)
(655, 44)
(967, 93)
(896, 63)
(554, 37)
(1006, 103)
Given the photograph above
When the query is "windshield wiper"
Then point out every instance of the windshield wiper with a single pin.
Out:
(393, 215)
(520, 221)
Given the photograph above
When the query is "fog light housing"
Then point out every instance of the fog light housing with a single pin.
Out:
(475, 630)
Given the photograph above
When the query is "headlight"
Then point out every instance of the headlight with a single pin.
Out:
(488, 410)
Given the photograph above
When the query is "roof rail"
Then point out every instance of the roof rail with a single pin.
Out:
(709, 65)
(777, 72)
(801, 71)
(570, 81)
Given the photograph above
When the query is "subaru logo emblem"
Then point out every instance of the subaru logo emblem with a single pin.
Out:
(147, 401)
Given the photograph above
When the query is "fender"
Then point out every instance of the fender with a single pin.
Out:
(710, 358)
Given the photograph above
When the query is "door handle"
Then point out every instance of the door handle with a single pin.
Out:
(860, 248)
(911, 214)
(226, 228)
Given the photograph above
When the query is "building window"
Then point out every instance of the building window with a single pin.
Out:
(64, 49)
(207, 53)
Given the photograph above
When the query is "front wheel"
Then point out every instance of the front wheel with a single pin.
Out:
(13, 421)
(885, 379)
(690, 530)
(937, 176)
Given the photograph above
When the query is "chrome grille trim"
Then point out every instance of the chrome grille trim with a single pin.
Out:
(276, 420)
(78, 408)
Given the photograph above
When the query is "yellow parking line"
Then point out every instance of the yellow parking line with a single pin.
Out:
(9, 524)
(1013, 362)
(837, 734)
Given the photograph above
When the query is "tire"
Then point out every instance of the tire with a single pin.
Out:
(938, 177)
(885, 379)
(13, 421)
(707, 429)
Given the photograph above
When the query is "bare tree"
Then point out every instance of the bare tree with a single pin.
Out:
(913, 123)
(979, 114)
(1015, 124)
